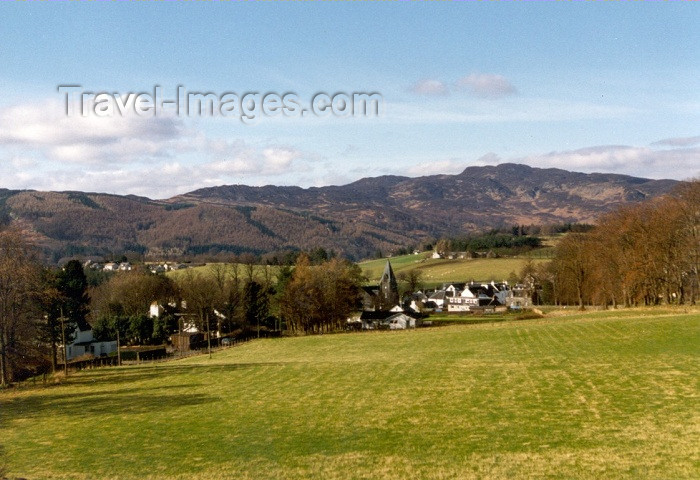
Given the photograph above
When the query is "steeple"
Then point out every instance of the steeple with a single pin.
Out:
(388, 289)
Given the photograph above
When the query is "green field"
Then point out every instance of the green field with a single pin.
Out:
(594, 395)
(437, 271)
(259, 271)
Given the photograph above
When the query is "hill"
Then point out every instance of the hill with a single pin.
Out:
(356, 220)
(609, 394)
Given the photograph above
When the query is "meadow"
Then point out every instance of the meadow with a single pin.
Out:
(574, 395)
(436, 271)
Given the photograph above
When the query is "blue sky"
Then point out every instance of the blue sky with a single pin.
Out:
(585, 86)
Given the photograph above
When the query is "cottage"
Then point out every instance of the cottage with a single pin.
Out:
(438, 298)
(84, 344)
(386, 321)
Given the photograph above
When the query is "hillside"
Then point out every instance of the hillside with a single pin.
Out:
(383, 213)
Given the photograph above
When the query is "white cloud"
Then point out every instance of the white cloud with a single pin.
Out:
(430, 87)
(487, 85)
(41, 148)
(437, 167)
(679, 163)
(679, 142)
(44, 127)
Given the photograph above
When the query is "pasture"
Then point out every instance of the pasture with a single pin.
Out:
(436, 271)
(574, 395)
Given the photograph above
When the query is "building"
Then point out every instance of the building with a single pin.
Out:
(388, 289)
(84, 344)
(382, 297)
(477, 294)
(387, 321)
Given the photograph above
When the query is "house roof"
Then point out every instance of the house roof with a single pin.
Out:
(377, 315)
(381, 315)
(439, 295)
(83, 325)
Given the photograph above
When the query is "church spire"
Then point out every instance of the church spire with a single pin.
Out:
(388, 289)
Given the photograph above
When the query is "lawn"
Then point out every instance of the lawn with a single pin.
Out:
(593, 395)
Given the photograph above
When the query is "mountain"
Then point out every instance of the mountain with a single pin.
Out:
(357, 219)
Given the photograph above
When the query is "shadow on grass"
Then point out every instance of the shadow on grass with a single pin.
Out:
(95, 404)
(110, 393)
(130, 374)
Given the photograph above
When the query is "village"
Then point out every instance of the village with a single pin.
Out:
(379, 307)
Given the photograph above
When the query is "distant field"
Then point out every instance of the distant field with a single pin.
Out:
(258, 270)
(592, 395)
(436, 271)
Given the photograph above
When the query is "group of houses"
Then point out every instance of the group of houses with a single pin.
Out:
(126, 266)
(463, 297)
(166, 267)
(384, 309)
(108, 266)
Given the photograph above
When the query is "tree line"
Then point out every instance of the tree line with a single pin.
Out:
(42, 307)
(644, 254)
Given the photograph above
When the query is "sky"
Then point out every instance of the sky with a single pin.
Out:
(590, 86)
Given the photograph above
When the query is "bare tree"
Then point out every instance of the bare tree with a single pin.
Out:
(19, 292)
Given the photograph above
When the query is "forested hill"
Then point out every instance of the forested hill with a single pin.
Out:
(382, 213)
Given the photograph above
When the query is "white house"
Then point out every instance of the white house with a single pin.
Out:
(386, 321)
(84, 344)
(155, 310)
(438, 298)
(463, 302)
(400, 321)
(479, 294)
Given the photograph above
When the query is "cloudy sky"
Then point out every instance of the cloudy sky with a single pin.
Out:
(585, 86)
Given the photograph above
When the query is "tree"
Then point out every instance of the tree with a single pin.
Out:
(200, 295)
(140, 329)
(571, 266)
(20, 288)
(318, 299)
(256, 305)
(643, 254)
(109, 327)
(411, 280)
(65, 296)
(131, 293)
(71, 283)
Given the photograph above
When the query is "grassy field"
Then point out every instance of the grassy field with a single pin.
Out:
(593, 395)
(437, 271)
(259, 271)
